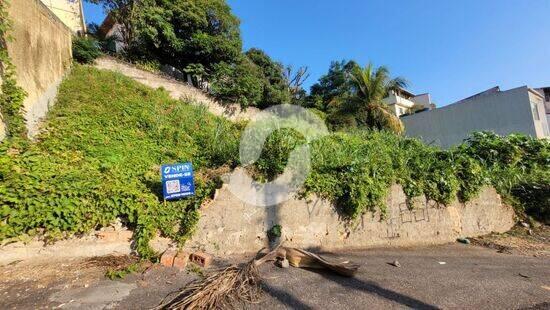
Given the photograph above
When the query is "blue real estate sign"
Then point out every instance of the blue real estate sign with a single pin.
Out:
(177, 181)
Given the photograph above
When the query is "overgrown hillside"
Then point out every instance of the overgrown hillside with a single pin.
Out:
(99, 159)
(107, 136)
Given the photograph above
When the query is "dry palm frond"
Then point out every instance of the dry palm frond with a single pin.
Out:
(304, 259)
(238, 284)
(224, 289)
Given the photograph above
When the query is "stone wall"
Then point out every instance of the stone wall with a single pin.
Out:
(42, 53)
(229, 226)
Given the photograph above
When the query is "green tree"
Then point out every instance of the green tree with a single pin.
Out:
(123, 12)
(334, 84)
(241, 82)
(369, 86)
(184, 32)
(275, 90)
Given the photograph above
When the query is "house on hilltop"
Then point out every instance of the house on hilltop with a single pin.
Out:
(402, 102)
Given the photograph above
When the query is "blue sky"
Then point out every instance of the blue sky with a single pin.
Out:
(451, 49)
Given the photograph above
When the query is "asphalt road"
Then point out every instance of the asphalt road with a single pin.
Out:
(450, 277)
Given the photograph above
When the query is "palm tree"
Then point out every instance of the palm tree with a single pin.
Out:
(370, 86)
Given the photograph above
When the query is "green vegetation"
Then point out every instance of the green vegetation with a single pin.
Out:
(121, 273)
(201, 38)
(185, 32)
(85, 50)
(107, 136)
(353, 97)
(11, 95)
(356, 169)
(99, 159)
(275, 232)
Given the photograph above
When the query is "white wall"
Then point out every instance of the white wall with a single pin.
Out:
(69, 12)
(503, 113)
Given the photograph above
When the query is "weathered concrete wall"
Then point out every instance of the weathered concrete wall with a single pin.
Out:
(230, 226)
(42, 53)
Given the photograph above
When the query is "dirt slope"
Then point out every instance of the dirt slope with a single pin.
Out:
(177, 90)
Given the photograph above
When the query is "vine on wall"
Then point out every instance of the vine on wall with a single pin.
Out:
(11, 95)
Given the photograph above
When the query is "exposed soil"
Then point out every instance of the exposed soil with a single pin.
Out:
(528, 241)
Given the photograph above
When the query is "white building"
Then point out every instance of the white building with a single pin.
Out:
(402, 102)
(70, 12)
(518, 110)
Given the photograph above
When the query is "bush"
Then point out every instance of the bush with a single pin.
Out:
(240, 83)
(356, 169)
(276, 150)
(533, 196)
(85, 50)
(99, 159)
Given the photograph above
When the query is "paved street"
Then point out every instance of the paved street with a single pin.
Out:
(471, 277)
(451, 276)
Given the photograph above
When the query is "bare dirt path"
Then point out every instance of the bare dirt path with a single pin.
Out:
(450, 277)
(177, 89)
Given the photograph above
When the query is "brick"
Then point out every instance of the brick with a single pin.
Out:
(200, 258)
(181, 259)
(167, 258)
(115, 236)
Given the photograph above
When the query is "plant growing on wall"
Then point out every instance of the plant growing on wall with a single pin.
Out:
(11, 95)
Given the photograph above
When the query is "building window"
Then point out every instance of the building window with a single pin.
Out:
(535, 109)
(547, 94)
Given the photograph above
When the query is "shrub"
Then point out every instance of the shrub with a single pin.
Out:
(240, 83)
(533, 196)
(99, 159)
(85, 50)
(276, 150)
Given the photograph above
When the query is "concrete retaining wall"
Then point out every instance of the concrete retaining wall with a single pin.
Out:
(229, 226)
(42, 53)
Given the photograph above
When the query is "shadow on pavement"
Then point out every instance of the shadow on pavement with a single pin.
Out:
(374, 288)
(284, 297)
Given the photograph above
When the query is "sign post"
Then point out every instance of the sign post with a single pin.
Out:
(177, 181)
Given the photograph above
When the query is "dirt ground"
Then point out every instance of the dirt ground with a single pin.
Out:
(508, 271)
(528, 241)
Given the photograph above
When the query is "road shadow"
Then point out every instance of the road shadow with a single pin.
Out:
(373, 288)
(284, 297)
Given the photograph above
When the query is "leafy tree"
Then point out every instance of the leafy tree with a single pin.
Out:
(353, 96)
(275, 90)
(369, 86)
(183, 32)
(241, 82)
(125, 13)
(334, 84)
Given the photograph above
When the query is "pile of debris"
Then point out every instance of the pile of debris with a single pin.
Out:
(237, 284)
